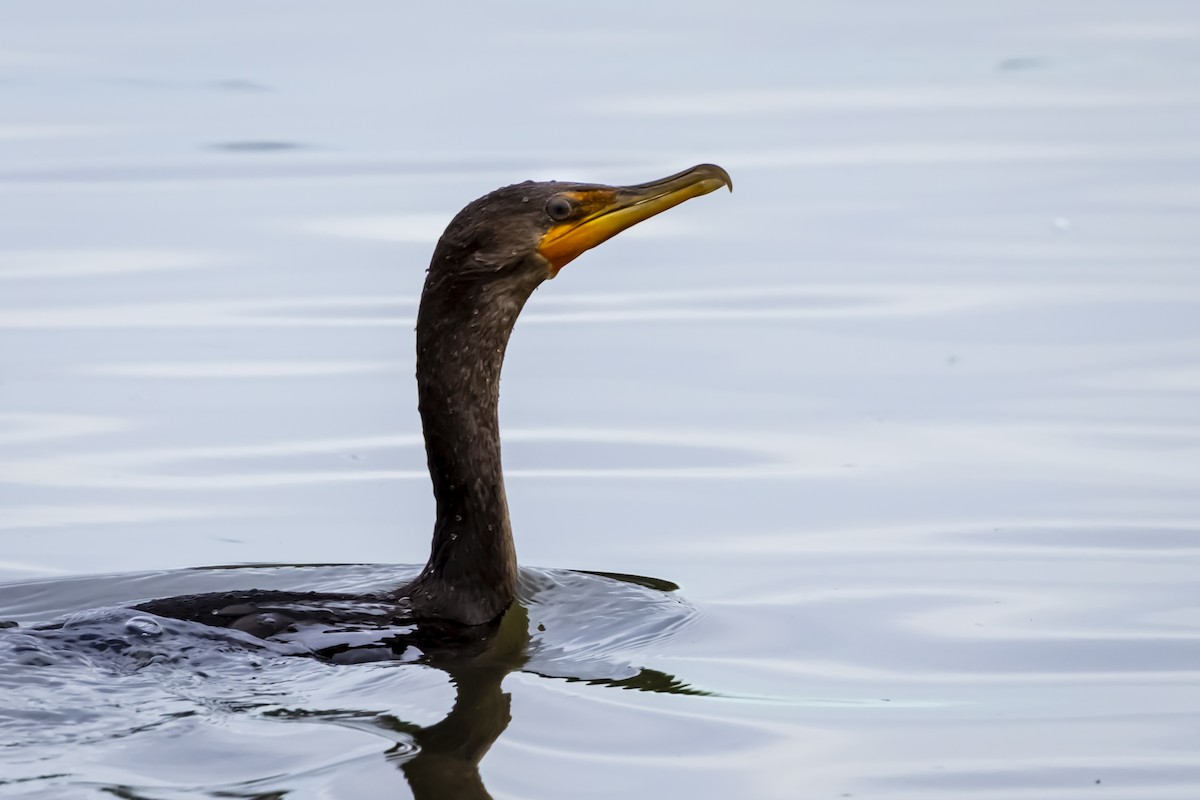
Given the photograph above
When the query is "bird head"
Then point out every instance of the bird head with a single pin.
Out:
(529, 231)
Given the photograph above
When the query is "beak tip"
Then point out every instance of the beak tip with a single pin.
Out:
(718, 173)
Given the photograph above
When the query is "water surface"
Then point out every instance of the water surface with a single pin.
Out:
(911, 418)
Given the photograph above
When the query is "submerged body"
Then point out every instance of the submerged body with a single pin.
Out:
(490, 259)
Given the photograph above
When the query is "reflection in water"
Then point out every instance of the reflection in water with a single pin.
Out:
(93, 663)
(441, 760)
(446, 763)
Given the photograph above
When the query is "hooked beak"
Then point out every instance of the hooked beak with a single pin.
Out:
(605, 211)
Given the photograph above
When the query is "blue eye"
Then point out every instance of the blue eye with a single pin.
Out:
(559, 207)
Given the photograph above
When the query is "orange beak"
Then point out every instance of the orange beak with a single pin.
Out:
(608, 210)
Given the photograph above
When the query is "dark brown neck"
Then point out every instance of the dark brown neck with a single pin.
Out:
(463, 327)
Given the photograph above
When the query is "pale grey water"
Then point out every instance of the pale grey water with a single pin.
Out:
(912, 417)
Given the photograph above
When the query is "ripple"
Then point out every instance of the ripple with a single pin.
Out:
(1059, 251)
(1079, 450)
(769, 455)
(78, 263)
(239, 313)
(1042, 537)
(954, 152)
(32, 428)
(743, 102)
(1173, 379)
(417, 228)
(10, 132)
(1141, 30)
(227, 696)
(721, 304)
(258, 146)
(34, 517)
(240, 369)
(21, 569)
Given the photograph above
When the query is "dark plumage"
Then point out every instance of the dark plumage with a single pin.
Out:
(492, 256)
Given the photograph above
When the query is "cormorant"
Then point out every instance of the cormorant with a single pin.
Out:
(492, 256)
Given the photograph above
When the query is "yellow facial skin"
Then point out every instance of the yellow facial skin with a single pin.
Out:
(600, 214)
